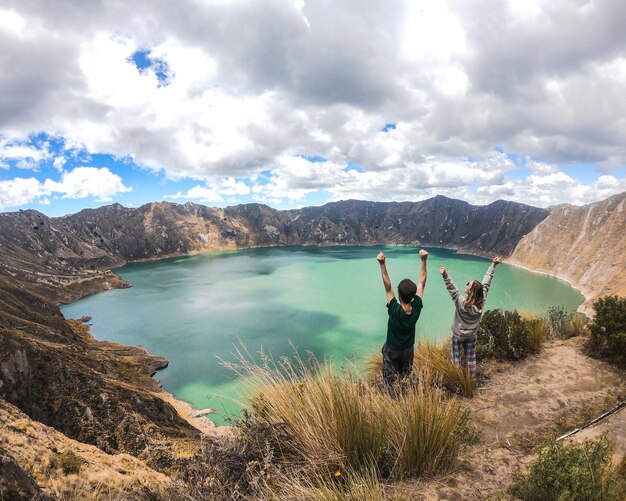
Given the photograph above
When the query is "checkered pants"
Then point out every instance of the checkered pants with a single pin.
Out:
(468, 346)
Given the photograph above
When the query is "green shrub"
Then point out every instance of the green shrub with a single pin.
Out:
(572, 472)
(557, 319)
(70, 463)
(608, 329)
(564, 325)
(502, 335)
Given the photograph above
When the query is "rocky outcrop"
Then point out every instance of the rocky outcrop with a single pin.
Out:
(584, 245)
(96, 392)
(34, 462)
(15, 483)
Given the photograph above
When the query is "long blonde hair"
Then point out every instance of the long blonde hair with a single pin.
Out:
(475, 296)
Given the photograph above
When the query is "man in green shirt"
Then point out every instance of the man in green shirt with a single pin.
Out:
(398, 348)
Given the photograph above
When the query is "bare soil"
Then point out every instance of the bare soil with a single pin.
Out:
(523, 405)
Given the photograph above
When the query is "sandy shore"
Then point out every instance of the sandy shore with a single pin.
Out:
(189, 414)
(585, 307)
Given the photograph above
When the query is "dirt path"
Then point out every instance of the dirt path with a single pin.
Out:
(524, 404)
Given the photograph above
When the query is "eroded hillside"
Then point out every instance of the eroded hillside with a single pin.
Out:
(584, 245)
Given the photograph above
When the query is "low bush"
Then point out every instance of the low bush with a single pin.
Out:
(557, 320)
(509, 335)
(572, 472)
(502, 335)
(608, 329)
(564, 324)
(70, 463)
(538, 331)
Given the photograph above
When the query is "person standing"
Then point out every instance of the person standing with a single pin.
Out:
(467, 313)
(403, 315)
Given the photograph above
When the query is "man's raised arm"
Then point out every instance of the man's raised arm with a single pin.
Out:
(422, 280)
(386, 279)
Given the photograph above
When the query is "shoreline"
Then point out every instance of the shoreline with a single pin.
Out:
(584, 308)
(189, 414)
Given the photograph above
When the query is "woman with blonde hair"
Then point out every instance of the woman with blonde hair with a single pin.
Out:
(468, 311)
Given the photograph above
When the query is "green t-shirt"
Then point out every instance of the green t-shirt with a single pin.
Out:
(401, 327)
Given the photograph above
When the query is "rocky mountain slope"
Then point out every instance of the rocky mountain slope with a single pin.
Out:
(584, 245)
(34, 464)
(97, 392)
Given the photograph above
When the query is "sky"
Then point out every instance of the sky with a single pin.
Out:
(302, 102)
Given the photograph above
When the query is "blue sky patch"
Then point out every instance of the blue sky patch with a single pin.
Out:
(144, 62)
(313, 158)
(353, 166)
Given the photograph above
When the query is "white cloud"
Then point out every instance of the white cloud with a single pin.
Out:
(59, 162)
(552, 189)
(227, 186)
(19, 191)
(25, 156)
(540, 168)
(199, 193)
(12, 23)
(81, 182)
(295, 177)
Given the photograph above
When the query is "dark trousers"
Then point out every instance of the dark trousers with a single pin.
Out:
(396, 363)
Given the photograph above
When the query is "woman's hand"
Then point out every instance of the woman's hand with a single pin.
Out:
(442, 270)
(496, 261)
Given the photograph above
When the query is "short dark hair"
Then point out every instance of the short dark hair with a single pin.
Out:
(407, 290)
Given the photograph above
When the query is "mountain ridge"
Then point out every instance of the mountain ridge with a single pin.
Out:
(81, 248)
(70, 256)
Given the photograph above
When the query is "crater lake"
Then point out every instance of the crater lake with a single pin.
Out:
(198, 310)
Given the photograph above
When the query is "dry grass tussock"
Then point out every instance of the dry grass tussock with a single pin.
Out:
(433, 361)
(621, 468)
(336, 432)
(349, 486)
(538, 330)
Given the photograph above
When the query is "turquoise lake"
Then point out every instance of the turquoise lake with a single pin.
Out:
(330, 301)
